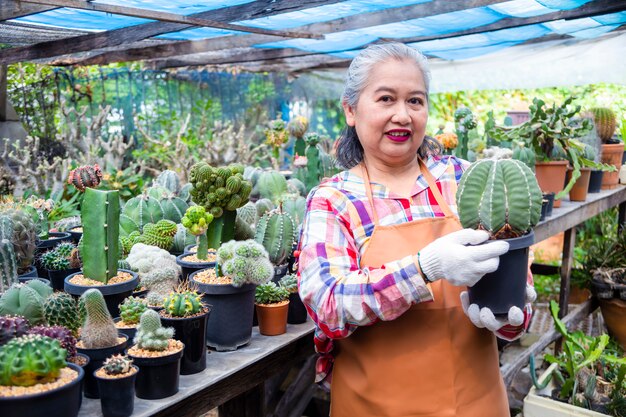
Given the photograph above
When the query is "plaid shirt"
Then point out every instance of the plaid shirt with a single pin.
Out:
(335, 233)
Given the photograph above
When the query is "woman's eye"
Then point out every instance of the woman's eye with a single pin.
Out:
(416, 101)
(385, 99)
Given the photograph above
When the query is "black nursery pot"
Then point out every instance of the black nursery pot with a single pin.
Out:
(114, 294)
(280, 271)
(158, 377)
(544, 210)
(128, 331)
(297, 313)
(117, 395)
(191, 267)
(595, 181)
(550, 198)
(59, 402)
(45, 245)
(191, 331)
(96, 359)
(23, 280)
(506, 287)
(31, 273)
(57, 278)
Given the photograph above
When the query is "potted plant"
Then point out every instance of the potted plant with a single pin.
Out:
(19, 229)
(60, 262)
(276, 231)
(581, 185)
(99, 251)
(297, 127)
(276, 136)
(612, 150)
(36, 380)
(26, 300)
(40, 209)
(297, 311)
(158, 356)
(61, 309)
(587, 374)
(196, 220)
(272, 307)
(67, 341)
(503, 198)
(229, 288)
(99, 338)
(185, 312)
(116, 383)
(130, 311)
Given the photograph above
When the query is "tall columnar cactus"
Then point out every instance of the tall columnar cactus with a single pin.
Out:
(314, 169)
(245, 262)
(183, 303)
(276, 231)
(605, 122)
(8, 261)
(196, 220)
(24, 237)
(139, 211)
(61, 309)
(132, 308)
(170, 180)
(150, 334)
(525, 155)
(99, 330)
(12, 327)
(297, 127)
(26, 300)
(465, 121)
(60, 333)
(31, 359)
(500, 196)
(100, 212)
(84, 177)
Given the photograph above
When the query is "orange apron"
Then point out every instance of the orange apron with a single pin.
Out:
(429, 362)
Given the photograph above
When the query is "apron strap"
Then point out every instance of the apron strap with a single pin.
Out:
(431, 185)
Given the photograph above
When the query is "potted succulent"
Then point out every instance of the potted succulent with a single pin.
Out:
(61, 309)
(26, 300)
(272, 307)
(99, 338)
(587, 375)
(66, 339)
(229, 289)
(99, 251)
(185, 312)
(276, 135)
(297, 311)
(130, 311)
(60, 262)
(196, 220)
(276, 231)
(36, 380)
(503, 198)
(612, 150)
(158, 356)
(12, 327)
(116, 383)
(18, 227)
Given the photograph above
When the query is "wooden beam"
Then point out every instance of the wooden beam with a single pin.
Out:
(128, 35)
(12, 9)
(361, 21)
(169, 17)
(3, 93)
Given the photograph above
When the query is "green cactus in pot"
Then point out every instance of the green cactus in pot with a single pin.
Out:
(31, 359)
(196, 220)
(276, 231)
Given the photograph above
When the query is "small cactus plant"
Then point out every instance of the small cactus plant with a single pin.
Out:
(117, 365)
(160, 234)
(60, 333)
(150, 334)
(605, 122)
(245, 262)
(270, 293)
(525, 155)
(85, 176)
(26, 300)
(12, 327)
(24, 237)
(63, 256)
(196, 220)
(61, 309)
(99, 330)
(289, 282)
(31, 359)
(132, 308)
(500, 196)
(8, 261)
(183, 303)
(465, 121)
(297, 127)
(276, 231)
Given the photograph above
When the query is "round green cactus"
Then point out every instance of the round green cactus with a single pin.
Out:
(276, 231)
(60, 309)
(246, 262)
(525, 155)
(289, 282)
(160, 234)
(170, 180)
(117, 365)
(183, 303)
(26, 300)
(196, 220)
(500, 196)
(605, 122)
(31, 359)
(139, 211)
(219, 189)
(132, 308)
(150, 334)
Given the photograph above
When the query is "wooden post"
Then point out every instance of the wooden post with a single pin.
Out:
(249, 404)
(3, 93)
(569, 242)
(621, 217)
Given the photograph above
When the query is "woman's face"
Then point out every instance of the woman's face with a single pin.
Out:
(392, 111)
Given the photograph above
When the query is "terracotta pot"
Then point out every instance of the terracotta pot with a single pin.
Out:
(578, 295)
(272, 319)
(614, 313)
(551, 177)
(581, 186)
(612, 155)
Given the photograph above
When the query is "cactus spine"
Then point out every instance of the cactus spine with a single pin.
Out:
(99, 330)
(60, 309)
(500, 196)
(100, 248)
(150, 334)
(276, 231)
(605, 122)
(8, 262)
(246, 262)
(117, 365)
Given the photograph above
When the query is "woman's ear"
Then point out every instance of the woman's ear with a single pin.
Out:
(350, 114)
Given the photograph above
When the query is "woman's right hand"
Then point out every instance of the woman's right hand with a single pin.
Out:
(460, 258)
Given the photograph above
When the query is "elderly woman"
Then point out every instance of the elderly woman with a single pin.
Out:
(384, 261)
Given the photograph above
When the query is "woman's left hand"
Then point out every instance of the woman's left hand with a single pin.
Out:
(484, 317)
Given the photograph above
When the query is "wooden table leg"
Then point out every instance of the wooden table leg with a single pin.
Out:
(621, 217)
(569, 242)
(248, 404)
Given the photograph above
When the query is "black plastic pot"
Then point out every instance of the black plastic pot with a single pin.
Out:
(130, 331)
(45, 245)
(59, 402)
(96, 359)
(188, 248)
(550, 198)
(158, 377)
(113, 294)
(191, 267)
(280, 271)
(297, 312)
(31, 273)
(57, 278)
(230, 323)
(505, 287)
(75, 236)
(544, 210)
(26, 279)
(595, 181)
(192, 332)
(624, 157)
(117, 395)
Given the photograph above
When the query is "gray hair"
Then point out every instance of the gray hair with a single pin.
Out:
(349, 149)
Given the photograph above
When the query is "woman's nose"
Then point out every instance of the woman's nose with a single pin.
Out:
(401, 114)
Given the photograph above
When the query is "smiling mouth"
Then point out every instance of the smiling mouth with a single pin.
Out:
(398, 135)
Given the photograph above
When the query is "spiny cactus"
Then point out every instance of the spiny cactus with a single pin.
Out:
(132, 308)
(8, 265)
(61, 309)
(289, 282)
(295, 186)
(245, 262)
(295, 206)
(297, 127)
(31, 359)
(12, 327)
(465, 121)
(276, 231)
(84, 177)
(182, 238)
(270, 293)
(139, 211)
(263, 206)
(26, 300)
(272, 185)
(60, 333)
(183, 303)
(150, 334)
(196, 220)
(99, 330)
(604, 119)
(314, 168)
(248, 213)
(160, 234)
(117, 365)
(525, 155)
(63, 256)
(500, 196)
(24, 237)
(123, 264)
(173, 208)
(170, 180)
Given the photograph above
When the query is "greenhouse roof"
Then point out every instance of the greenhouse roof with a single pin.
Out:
(294, 34)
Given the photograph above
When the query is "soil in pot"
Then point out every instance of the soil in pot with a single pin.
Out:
(190, 263)
(506, 287)
(272, 318)
(595, 180)
(96, 359)
(297, 311)
(579, 190)
(612, 155)
(158, 371)
(551, 176)
(191, 331)
(117, 393)
(114, 292)
(61, 398)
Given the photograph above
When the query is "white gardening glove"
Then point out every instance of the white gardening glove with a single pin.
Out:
(484, 317)
(450, 257)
